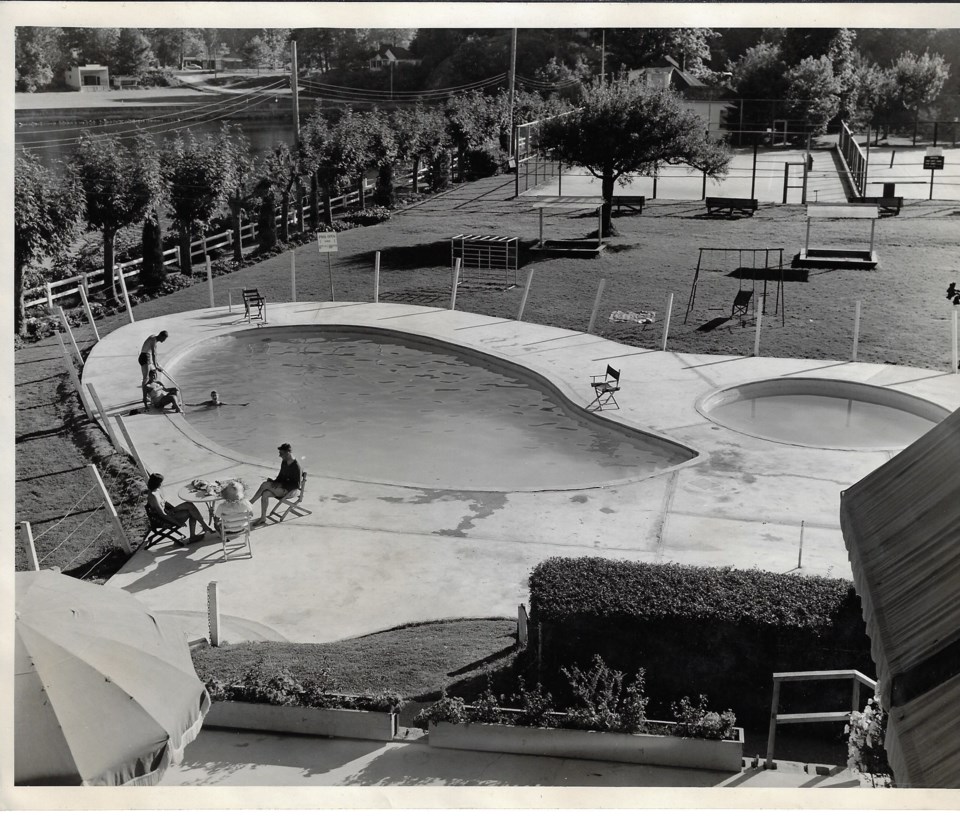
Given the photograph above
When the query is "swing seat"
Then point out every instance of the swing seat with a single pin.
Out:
(741, 303)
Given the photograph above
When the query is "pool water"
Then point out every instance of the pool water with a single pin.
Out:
(822, 421)
(377, 407)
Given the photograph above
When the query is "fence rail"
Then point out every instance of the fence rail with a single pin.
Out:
(854, 157)
(98, 280)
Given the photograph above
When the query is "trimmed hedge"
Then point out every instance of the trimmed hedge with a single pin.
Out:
(719, 631)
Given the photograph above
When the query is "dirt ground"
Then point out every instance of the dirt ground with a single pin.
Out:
(905, 317)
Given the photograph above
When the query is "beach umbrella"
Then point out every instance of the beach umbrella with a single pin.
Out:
(105, 694)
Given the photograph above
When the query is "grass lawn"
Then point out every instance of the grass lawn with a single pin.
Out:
(905, 317)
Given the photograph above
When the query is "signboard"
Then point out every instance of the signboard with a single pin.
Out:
(327, 242)
(932, 163)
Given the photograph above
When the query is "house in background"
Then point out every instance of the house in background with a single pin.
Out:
(122, 81)
(88, 78)
(388, 55)
(716, 105)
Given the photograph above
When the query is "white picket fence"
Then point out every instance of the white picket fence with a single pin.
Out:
(91, 281)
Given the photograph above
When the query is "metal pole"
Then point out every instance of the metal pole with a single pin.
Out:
(293, 275)
(456, 279)
(772, 732)
(526, 292)
(104, 420)
(330, 274)
(800, 554)
(213, 612)
(512, 83)
(131, 447)
(73, 341)
(73, 375)
(786, 179)
(932, 172)
(756, 339)
(666, 321)
(108, 504)
(806, 246)
(209, 281)
(753, 175)
(295, 97)
(596, 306)
(31, 548)
(866, 164)
(856, 332)
(86, 307)
(126, 297)
(376, 277)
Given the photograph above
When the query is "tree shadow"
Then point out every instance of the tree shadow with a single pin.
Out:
(711, 325)
(789, 274)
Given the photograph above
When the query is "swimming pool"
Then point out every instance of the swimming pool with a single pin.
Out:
(823, 413)
(369, 405)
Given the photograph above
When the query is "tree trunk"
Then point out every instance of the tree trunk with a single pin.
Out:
(299, 207)
(385, 186)
(415, 182)
(362, 193)
(186, 263)
(267, 224)
(606, 191)
(237, 225)
(152, 271)
(108, 261)
(327, 206)
(285, 215)
(314, 202)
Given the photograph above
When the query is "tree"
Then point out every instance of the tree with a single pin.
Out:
(197, 185)
(316, 145)
(92, 45)
(920, 79)
(476, 123)
(36, 56)
(132, 53)
(238, 171)
(48, 206)
(847, 67)
(256, 53)
(120, 184)
(383, 154)
(351, 151)
(625, 128)
(813, 93)
(153, 272)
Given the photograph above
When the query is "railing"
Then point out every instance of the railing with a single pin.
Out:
(97, 280)
(854, 157)
(776, 718)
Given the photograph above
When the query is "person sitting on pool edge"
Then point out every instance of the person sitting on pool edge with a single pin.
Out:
(213, 402)
(159, 396)
(287, 480)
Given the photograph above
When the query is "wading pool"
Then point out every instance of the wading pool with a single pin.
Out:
(374, 406)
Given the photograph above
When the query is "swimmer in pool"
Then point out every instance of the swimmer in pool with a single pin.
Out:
(213, 402)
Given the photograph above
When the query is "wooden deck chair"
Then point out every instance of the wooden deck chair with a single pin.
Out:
(158, 530)
(292, 502)
(606, 385)
(254, 305)
(235, 531)
(741, 304)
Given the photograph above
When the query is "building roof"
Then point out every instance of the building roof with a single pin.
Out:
(388, 51)
(901, 525)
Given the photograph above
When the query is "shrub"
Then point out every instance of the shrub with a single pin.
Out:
(866, 734)
(368, 216)
(598, 695)
(483, 162)
(536, 707)
(450, 709)
(696, 721)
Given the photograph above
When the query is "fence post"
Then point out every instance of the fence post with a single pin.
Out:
(126, 297)
(31, 548)
(179, 259)
(772, 732)
(46, 288)
(73, 340)
(86, 307)
(856, 332)
(522, 627)
(456, 279)
(596, 305)
(526, 293)
(213, 612)
(756, 339)
(293, 275)
(73, 375)
(103, 417)
(376, 277)
(108, 503)
(131, 447)
(955, 365)
(209, 281)
(666, 320)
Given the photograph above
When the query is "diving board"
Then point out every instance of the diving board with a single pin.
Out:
(839, 257)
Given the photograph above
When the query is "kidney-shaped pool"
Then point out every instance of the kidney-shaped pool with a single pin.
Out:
(375, 406)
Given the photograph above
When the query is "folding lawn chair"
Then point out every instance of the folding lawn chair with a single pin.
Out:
(741, 304)
(292, 502)
(158, 530)
(235, 530)
(254, 305)
(606, 386)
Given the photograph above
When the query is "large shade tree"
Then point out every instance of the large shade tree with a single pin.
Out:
(47, 207)
(625, 128)
(120, 183)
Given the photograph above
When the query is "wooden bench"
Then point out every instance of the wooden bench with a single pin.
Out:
(889, 206)
(731, 204)
(634, 202)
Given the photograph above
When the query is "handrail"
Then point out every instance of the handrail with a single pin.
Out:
(857, 679)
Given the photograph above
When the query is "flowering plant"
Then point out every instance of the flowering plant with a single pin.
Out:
(866, 733)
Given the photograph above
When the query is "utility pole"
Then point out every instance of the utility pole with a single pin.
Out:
(513, 78)
(295, 93)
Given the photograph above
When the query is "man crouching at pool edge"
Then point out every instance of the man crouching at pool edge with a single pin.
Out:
(286, 481)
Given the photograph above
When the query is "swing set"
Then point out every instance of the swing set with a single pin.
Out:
(744, 300)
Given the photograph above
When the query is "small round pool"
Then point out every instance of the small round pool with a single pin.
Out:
(370, 405)
(823, 413)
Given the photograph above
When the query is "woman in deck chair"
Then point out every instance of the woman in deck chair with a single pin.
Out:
(175, 514)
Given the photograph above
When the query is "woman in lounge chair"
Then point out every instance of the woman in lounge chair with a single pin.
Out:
(185, 512)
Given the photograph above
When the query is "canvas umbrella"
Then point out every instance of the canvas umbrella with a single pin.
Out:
(105, 694)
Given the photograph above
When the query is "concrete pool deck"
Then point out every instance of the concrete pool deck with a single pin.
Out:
(373, 556)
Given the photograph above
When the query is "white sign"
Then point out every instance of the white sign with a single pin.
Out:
(327, 242)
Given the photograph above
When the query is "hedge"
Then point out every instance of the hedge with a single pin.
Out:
(718, 631)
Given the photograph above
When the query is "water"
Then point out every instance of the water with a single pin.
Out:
(822, 421)
(378, 408)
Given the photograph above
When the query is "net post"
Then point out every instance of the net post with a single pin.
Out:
(453, 287)
(526, 293)
(131, 447)
(69, 330)
(213, 612)
(68, 361)
(756, 339)
(108, 504)
(126, 296)
(32, 560)
(293, 275)
(104, 420)
(856, 332)
(376, 277)
(209, 281)
(596, 305)
(666, 321)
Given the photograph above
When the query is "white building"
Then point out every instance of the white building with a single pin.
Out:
(88, 78)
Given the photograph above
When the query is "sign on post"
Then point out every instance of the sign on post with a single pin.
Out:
(327, 244)
(932, 162)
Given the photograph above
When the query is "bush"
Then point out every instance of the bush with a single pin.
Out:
(450, 709)
(696, 721)
(483, 162)
(866, 734)
(368, 216)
